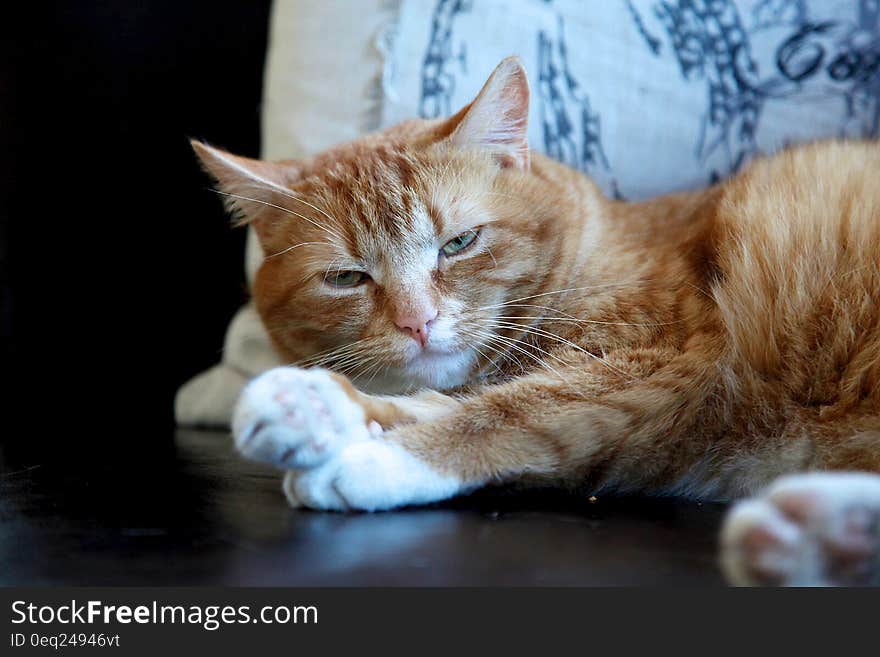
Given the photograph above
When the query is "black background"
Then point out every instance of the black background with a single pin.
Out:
(118, 270)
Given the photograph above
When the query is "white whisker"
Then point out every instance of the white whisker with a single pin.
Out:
(514, 343)
(283, 209)
(570, 318)
(553, 336)
(291, 248)
(544, 294)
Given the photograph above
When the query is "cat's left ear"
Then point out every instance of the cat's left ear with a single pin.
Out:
(498, 118)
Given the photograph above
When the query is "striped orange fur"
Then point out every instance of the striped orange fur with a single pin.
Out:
(698, 344)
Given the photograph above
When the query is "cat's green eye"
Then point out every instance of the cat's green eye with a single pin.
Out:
(459, 243)
(346, 278)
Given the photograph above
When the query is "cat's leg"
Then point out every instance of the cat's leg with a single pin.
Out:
(554, 425)
(389, 411)
(810, 529)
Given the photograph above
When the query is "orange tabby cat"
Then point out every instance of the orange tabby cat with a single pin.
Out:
(532, 330)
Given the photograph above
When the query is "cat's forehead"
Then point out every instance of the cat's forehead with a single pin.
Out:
(394, 224)
(393, 205)
(384, 195)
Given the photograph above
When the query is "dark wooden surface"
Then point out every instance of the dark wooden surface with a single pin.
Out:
(192, 513)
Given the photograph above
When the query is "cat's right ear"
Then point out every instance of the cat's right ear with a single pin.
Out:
(249, 187)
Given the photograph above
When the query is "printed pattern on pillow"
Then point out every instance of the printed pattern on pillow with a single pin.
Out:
(649, 96)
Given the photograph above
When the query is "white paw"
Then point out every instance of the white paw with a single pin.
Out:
(818, 529)
(304, 422)
(295, 418)
(373, 475)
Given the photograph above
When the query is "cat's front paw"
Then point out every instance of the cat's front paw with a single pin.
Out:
(304, 422)
(296, 418)
(818, 529)
(373, 475)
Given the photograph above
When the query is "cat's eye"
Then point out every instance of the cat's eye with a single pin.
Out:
(459, 243)
(346, 278)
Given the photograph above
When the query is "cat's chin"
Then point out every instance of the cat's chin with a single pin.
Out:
(429, 369)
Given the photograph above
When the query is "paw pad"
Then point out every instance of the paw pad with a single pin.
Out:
(807, 530)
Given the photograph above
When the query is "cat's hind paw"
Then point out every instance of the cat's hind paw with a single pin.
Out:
(295, 418)
(817, 529)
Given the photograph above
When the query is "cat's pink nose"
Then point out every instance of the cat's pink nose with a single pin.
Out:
(416, 324)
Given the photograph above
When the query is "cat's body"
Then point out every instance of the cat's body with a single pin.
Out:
(700, 344)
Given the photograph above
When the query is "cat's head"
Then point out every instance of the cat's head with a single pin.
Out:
(388, 258)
